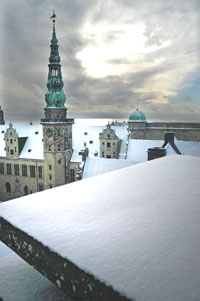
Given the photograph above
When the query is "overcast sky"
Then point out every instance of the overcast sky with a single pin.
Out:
(114, 54)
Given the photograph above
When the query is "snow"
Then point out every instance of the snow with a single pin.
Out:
(97, 166)
(190, 148)
(136, 228)
(20, 282)
(137, 149)
(33, 143)
(4, 250)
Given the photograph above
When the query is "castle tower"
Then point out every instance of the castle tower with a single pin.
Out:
(2, 121)
(57, 129)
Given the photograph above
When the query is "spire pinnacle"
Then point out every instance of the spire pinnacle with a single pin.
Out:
(53, 17)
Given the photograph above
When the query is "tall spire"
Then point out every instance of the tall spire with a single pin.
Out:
(54, 97)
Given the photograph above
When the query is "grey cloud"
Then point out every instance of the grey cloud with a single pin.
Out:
(26, 38)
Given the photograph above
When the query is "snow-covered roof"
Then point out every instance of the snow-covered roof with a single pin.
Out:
(190, 148)
(137, 148)
(136, 229)
(97, 166)
(33, 148)
(21, 282)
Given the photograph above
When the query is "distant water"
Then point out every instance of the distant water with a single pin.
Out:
(78, 121)
(95, 121)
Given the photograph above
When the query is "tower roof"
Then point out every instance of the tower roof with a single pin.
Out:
(137, 116)
(54, 97)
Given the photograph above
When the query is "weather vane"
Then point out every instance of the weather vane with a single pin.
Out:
(53, 17)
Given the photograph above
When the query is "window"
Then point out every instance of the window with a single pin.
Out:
(109, 136)
(72, 175)
(1, 168)
(102, 154)
(50, 177)
(49, 167)
(11, 152)
(15, 149)
(9, 170)
(103, 143)
(32, 171)
(8, 188)
(58, 147)
(11, 141)
(58, 132)
(113, 143)
(49, 147)
(25, 190)
(108, 156)
(50, 186)
(16, 169)
(40, 171)
(108, 144)
(24, 170)
(59, 161)
(40, 187)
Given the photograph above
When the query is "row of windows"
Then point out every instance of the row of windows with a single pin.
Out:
(58, 148)
(11, 150)
(26, 189)
(11, 140)
(108, 156)
(108, 144)
(7, 169)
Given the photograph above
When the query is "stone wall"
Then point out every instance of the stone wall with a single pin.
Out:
(18, 183)
(157, 130)
(66, 275)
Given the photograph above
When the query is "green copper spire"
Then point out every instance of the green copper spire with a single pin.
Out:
(54, 97)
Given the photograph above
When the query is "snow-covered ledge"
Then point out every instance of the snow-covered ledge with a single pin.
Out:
(131, 234)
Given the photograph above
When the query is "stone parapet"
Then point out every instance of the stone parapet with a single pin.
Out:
(75, 282)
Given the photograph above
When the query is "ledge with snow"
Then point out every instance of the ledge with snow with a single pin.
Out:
(131, 234)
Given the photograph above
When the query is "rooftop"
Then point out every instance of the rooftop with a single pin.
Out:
(135, 229)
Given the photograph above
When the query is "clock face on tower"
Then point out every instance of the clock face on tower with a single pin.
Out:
(48, 133)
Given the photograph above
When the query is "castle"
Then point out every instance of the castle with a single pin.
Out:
(36, 158)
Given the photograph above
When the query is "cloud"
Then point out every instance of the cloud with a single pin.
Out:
(114, 54)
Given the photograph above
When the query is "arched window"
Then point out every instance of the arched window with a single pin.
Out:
(8, 188)
(26, 190)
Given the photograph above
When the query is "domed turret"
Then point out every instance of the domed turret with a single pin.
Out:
(137, 116)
